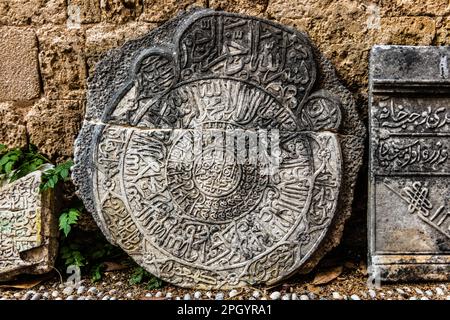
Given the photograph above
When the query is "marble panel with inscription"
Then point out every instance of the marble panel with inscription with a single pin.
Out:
(409, 209)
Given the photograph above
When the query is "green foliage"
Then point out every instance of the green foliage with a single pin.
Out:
(140, 275)
(92, 250)
(57, 174)
(18, 162)
(72, 255)
(67, 219)
(97, 272)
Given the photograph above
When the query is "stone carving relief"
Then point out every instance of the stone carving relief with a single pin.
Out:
(216, 161)
(409, 207)
(28, 234)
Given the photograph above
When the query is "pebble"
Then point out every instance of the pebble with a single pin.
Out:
(177, 298)
(59, 298)
(311, 295)
(93, 290)
(113, 298)
(36, 296)
(424, 298)
(148, 295)
(275, 295)
(252, 298)
(286, 297)
(372, 294)
(70, 297)
(219, 296)
(106, 297)
(355, 297)
(233, 293)
(119, 284)
(129, 295)
(27, 296)
(41, 288)
(304, 297)
(429, 293)
(400, 291)
(81, 298)
(100, 294)
(209, 294)
(256, 294)
(81, 290)
(439, 291)
(68, 291)
(448, 298)
(45, 295)
(294, 296)
(413, 298)
(418, 291)
(187, 296)
(17, 295)
(336, 296)
(169, 295)
(157, 295)
(197, 295)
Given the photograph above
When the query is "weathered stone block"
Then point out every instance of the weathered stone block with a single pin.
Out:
(19, 12)
(250, 7)
(83, 11)
(101, 38)
(12, 126)
(52, 126)
(162, 10)
(409, 208)
(150, 170)
(415, 8)
(28, 228)
(62, 62)
(19, 74)
(407, 30)
(120, 11)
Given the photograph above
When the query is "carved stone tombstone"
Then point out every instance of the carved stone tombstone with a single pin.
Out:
(213, 151)
(409, 223)
(28, 228)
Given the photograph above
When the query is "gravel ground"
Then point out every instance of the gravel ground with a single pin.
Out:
(350, 285)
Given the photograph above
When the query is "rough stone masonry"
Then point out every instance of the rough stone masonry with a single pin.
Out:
(155, 166)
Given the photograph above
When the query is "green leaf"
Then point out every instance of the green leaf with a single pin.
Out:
(97, 272)
(67, 219)
(137, 276)
(154, 283)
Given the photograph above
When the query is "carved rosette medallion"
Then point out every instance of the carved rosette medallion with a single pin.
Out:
(217, 163)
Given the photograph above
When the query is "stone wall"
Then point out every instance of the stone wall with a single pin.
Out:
(48, 49)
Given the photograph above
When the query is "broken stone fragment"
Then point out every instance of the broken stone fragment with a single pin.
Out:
(28, 228)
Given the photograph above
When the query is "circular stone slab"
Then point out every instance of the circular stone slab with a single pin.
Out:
(214, 162)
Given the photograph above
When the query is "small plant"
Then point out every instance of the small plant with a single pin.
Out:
(140, 275)
(67, 219)
(18, 162)
(52, 177)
